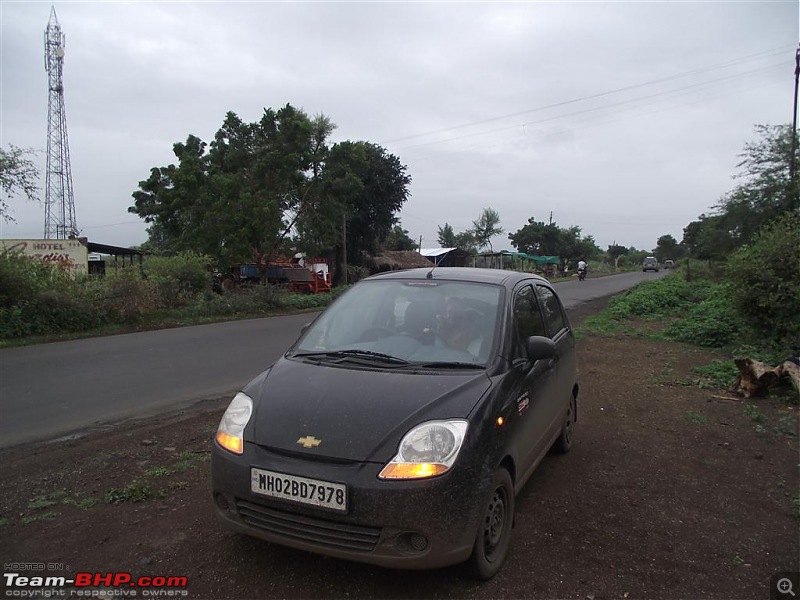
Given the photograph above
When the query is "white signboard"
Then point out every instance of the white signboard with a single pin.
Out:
(70, 255)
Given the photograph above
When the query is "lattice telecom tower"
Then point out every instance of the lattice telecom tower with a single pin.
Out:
(59, 203)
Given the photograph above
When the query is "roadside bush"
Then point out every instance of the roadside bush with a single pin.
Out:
(179, 279)
(658, 298)
(61, 309)
(127, 296)
(22, 277)
(39, 298)
(765, 279)
(712, 323)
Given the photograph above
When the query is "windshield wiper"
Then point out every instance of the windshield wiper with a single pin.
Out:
(344, 354)
(442, 364)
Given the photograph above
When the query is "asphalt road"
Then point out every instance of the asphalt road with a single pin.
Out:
(52, 390)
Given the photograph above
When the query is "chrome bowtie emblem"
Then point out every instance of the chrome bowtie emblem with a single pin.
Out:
(309, 441)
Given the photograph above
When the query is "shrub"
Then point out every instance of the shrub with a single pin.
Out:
(765, 279)
(39, 298)
(127, 296)
(179, 279)
(22, 277)
(658, 298)
(712, 323)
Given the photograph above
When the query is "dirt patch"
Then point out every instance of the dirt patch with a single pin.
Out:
(670, 492)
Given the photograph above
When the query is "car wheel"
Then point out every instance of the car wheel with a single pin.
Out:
(564, 441)
(494, 530)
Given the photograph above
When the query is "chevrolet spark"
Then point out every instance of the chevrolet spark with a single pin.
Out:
(402, 423)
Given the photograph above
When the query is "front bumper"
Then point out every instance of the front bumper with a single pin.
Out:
(421, 524)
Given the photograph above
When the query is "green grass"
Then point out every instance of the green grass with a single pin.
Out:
(158, 472)
(697, 417)
(795, 507)
(133, 492)
(81, 503)
(46, 516)
(719, 374)
(751, 410)
(40, 503)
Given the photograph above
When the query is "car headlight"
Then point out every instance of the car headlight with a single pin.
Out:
(230, 433)
(427, 450)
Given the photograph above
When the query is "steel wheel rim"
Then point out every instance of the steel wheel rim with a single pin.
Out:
(569, 421)
(494, 522)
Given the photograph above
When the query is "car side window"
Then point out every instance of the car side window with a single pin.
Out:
(527, 317)
(552, 310)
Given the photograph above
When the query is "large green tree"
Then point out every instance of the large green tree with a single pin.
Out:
(764, 192)
(548, 239)
(18, 175)
(464, 240)
(667, 247)
(230, 199)
(361, 187)
(398, 239)
(485, 227)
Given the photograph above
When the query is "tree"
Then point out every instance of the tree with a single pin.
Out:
(548, 239)
(486, 227)
(537, 238)
(361, 187)
(464, 240)
(666, 247)
(615, 252)
(18, 175)
(766, 280)
(708, 238)
(398, 240)
(764, 192)
(232, 199)
(446, 236)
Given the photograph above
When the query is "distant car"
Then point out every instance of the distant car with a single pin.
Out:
(669, 264)
(400, 426)
(650, 264)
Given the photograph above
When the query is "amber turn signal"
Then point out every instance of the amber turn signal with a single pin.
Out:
(411, 470)
(230, 442)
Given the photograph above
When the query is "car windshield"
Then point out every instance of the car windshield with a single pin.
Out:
(422, 322)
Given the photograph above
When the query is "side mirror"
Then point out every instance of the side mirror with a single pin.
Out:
(539, 347)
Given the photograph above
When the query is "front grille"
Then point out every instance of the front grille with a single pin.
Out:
(309, 529)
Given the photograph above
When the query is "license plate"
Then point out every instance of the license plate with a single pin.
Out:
(314, 492)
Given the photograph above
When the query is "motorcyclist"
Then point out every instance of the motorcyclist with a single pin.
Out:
(581, 269)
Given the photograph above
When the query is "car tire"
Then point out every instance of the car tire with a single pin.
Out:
(493, 537)
(563, 442)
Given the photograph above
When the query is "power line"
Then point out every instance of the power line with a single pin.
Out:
(596, 122)
(598, 108)
(751, 57)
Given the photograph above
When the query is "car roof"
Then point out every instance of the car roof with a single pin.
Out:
(467, 274)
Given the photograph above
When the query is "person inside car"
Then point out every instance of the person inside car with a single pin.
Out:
(459, 327)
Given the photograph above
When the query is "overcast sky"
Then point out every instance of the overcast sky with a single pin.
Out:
(625, 119)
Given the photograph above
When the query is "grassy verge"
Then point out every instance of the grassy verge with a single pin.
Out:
(699, 313)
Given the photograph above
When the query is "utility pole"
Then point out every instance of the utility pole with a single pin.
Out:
(344, 246)
(420, 244)
(793, 161)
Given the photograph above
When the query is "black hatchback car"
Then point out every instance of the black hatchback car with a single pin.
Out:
(402, 423)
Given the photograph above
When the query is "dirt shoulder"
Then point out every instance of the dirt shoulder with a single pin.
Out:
(670, 491)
